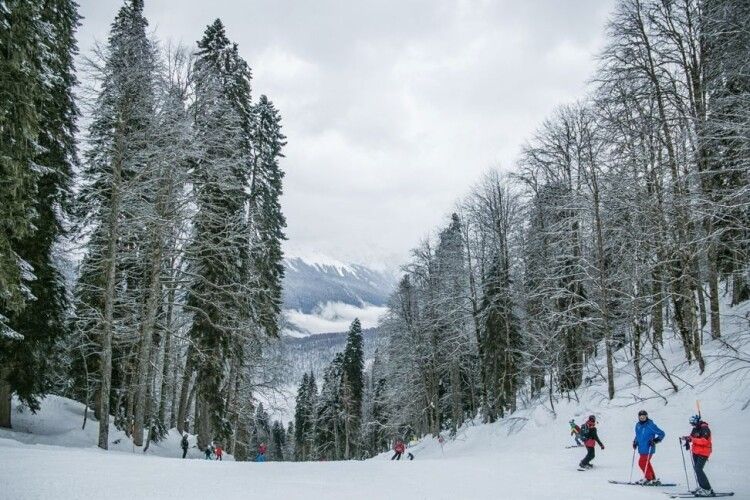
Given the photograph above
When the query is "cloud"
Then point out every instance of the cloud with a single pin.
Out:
(335, 317)
(392, 109)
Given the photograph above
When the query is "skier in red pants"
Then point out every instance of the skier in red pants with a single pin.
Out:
(647, 434)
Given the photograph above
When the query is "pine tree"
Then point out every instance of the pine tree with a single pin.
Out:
(352, 387)
(266, 219)
(278, 441)
(22, 51)
(218, 290)
(42, 321)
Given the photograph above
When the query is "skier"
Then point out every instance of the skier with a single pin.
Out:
(590, 436)
(700, 438)
(209, 451)
(219, 452)
(647, 434)
(262, 448)
(398, 448)
(184, 443)
(575, 431)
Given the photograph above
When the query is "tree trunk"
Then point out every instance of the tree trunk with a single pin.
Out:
(6, 396)
(147, 339)
(713, 292)
(187, 376)
(113, 235)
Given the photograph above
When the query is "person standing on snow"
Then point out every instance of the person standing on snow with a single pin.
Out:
(647, 434)
(209, 450)
(184, 444)
(575, 431)
(700, 439)
(398, 449)
(261, 453)
(591, 438)
(219, 452)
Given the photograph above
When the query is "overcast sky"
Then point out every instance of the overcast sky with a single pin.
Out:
(392, 108)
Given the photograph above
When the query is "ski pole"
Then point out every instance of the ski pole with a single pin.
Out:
(684, 465)
(632, 465)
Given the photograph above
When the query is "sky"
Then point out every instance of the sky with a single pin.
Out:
(392, 109)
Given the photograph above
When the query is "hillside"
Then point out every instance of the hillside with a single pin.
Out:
(521, 457)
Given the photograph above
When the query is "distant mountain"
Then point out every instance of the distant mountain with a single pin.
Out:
(324, 295)
(310, 283)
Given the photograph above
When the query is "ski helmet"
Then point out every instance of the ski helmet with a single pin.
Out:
(592, 418)
(695, 420)
(643, 413)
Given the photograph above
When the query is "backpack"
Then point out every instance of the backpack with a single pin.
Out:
(585, 432)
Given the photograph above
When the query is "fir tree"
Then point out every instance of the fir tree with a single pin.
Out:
(42, 321)
(267, 222)
(352, 387)
(218, 290)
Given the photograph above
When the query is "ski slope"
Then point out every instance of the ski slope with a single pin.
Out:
(523, 457)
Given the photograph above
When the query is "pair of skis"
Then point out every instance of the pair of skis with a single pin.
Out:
(653, 485)
(675, 495)
(693, 495)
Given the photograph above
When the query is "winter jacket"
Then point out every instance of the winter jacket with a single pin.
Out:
(700, 438)
(399, 447)
(184, 443)
(574, 430)
(647, 434)
(593, 436)
(262, 450)
(219, 451)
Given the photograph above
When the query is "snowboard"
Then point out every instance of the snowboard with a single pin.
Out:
(573, 446)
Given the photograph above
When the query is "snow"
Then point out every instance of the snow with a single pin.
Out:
(58, 424)
(522, 457)
(319, 260)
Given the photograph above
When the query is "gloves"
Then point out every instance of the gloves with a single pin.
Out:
(635, 445)
(657, 440)
(602, 447)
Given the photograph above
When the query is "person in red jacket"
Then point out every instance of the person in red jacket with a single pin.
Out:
(700, 440)
(218, 451)
(591, 438)
(399, 449)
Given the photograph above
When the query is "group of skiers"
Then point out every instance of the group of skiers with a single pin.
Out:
(647, 436)
(214, 451)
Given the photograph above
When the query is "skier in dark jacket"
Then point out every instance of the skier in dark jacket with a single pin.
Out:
(700, 439)
(647, 434)
(592, 438)
(398, 449)
(184, 444)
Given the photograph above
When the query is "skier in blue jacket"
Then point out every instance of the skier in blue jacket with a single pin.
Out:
(647, 434)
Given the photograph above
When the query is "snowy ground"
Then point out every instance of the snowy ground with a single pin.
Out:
(48, 456)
